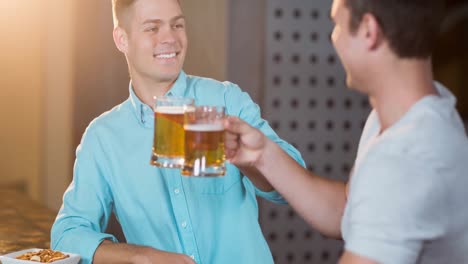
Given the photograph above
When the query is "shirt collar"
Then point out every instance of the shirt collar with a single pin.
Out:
(179, 88)
(445, 94)
(143, 112)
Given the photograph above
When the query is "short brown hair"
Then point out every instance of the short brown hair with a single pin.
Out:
(410, 26)
(118, 9)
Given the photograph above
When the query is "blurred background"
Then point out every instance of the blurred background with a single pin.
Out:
(59, 69)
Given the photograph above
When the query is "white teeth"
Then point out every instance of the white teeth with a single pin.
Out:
(166, 56)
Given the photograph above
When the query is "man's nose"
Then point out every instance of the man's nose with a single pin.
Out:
(167, 35)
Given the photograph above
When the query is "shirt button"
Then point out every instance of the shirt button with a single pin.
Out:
(176, 190)
(192, 256)
(184, 224)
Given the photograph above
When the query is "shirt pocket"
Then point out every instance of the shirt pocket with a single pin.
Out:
(213, 185)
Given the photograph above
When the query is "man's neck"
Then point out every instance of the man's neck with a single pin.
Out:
(147, 89)
(400, 85)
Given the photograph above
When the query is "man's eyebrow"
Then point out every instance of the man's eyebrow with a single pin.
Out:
(178, 17)
(160, 21)
(152, 21)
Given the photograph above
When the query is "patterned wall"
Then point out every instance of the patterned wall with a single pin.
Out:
(307, 103)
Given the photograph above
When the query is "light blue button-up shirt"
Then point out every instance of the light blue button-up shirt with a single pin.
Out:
(213, 220)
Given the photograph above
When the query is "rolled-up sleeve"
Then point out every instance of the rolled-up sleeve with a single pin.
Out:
(87, 203)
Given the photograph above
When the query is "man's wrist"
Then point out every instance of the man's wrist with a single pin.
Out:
(266, 157)
(140, 254)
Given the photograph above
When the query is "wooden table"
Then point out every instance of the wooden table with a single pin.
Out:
(23, 223)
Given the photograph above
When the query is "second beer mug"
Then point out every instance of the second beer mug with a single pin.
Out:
(168, 145)
(204, 142)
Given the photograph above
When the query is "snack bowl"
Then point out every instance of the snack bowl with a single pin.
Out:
(11, 258)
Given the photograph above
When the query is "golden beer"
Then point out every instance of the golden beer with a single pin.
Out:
(168, 144)
(204, 144)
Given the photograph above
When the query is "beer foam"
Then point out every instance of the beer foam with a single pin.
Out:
(204, 127)
(172, 109)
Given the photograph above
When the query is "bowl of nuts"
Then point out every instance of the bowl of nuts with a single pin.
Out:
(36, 255)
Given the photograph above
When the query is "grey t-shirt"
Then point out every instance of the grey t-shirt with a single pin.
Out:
(407, 200)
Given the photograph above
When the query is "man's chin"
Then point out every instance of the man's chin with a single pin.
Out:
(351, 84)
(167, 76)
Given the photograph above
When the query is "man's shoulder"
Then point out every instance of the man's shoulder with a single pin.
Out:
(113, 117)
(409, 175)
(199, 82)
(428, 139)
(209, 91)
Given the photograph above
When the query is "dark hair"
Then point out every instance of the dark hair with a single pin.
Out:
(410, 26)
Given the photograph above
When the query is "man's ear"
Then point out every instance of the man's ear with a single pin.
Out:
(120, 39)
(371, 30)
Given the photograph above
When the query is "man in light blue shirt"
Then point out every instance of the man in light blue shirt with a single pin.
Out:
(166, 217)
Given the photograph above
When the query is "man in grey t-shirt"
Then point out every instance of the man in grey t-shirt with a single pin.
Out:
(408, 188)
(405, 200)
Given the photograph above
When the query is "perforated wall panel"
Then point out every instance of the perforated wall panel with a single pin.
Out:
(307, 103)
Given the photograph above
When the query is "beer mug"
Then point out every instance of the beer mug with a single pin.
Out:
(168, 144)
(204, 142)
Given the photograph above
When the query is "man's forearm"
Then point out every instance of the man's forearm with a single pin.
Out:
(114, 253)
(318, 200)
(109, 252)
